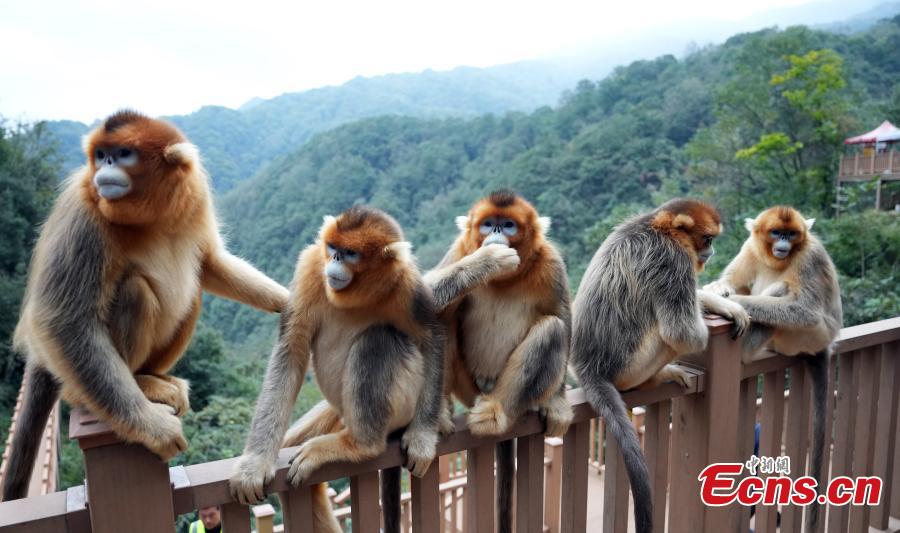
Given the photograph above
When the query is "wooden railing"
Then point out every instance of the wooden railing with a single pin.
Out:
(711, 420)
(859, 167)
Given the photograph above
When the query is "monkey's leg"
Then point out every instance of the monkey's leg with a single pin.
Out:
(163, 359)
(323, 516)
(754, 342)
(165, 389)
(321, 419)
(231, 277)
(667, 373)
(331, 448)
(532, 376)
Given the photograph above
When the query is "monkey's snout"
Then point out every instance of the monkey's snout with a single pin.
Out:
(112, 183)
(495, 238)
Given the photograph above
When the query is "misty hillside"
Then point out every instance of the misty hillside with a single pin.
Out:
(236, 143)
(647, 132)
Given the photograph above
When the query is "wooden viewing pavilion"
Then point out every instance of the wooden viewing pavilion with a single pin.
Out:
(875, 160)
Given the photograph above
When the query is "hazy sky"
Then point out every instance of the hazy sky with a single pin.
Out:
(84, 59)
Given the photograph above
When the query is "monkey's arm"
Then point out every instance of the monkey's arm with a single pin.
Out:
(677, 308)
(420, 438)
(71, 302)
(284, 377)
(453, 279)
(231, 277)
(729, 309)
(780, 311)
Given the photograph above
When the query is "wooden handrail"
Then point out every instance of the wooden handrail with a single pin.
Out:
(707, 418)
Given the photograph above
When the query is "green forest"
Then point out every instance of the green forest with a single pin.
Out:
(756, 121)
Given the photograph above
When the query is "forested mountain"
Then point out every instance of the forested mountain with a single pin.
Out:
(753, 122)
(236, 143)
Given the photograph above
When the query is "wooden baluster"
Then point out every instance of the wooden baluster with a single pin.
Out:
(863, 444)
(829, 424)
(886, 431)
(796, 441)
(747, 434)
(264, 515)
(843, 430)
(616, 490)
(530, 484)
(123, 480)
(689, 450)
(554, 447)
(296, 509)
(479, 514)
(657, 452)
(770, 438)
(427, 512)
(364, 508)
(573, 500)
(236, 517)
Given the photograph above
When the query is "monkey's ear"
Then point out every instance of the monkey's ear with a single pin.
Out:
(327, 221)
(182, 154)
(462, 222)
(750, 224)
(809, 223)
(400, 250)
(543, 224)
(682, 221)
(86, 144)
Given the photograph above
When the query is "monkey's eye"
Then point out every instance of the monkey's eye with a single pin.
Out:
(100, 154)
(124, 152)
(707, 240)
(791, 235)
(509, 227)
(775, 234)
(330, 249)
(486, 227)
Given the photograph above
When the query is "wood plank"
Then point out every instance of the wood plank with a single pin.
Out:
(616, 489)
(554, 446)
(296, 509)
(364, 509)
(723, 404)
(886, 431)
(863, 444)
(797, 425)
(829, 425)
(530, 484)
(843, 429)
(747, 434)
(656, 442)
(688, 458)
(573, 504)
(480, 515)
(235, 518)
(770, 439)
(426, 505)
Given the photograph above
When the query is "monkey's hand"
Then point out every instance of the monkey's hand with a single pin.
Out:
(727, 308)
(720, 288)
(497, 260)
(557, 416)
(248, 480)
(420, 447)
(487, 417)
(161, 432)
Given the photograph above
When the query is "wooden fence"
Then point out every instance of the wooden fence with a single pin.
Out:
(712, 420)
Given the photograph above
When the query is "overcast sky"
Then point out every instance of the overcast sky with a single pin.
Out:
(84, 59)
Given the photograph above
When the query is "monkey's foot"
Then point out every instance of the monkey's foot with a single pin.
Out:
(676, 374)
(445, 421)
(420, 447)
(488, 418)
(167, 390)
(558, 415)
(248, 480)
(160, 431)
(307, 459)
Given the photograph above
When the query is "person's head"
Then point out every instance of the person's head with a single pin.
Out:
(211, 516)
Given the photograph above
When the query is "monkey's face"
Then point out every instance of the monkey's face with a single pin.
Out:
(499, 228)
(111, 164)
(339, 265)
(781, 231)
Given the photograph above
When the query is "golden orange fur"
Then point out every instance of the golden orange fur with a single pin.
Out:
(690, 222)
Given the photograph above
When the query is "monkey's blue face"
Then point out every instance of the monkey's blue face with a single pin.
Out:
(338, 273)
(111, 177)
(782, 242)
(497, 230)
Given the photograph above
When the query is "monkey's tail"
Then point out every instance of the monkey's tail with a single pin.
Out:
(606, 400)
(818, 370)
(506, 465)
(390, 499)
(41, 394)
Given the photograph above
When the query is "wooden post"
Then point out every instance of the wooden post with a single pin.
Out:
(530, 484)
(124, 481)
(615, 490)
(770, 439)
(863, 444)
(796, 443)
(554, 445)
(656, 449)
(235, 517)
(844, 426)
(264, 515)
(364, 509)
(722, 404)
(479, 513)
(885, 431)
(856, 165)
(573, 504)
(427, 513)
(296, 509)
